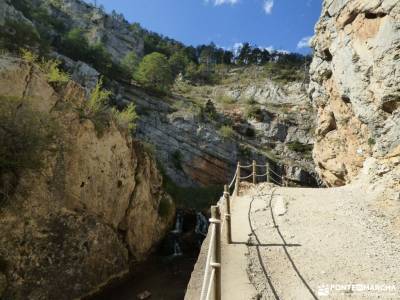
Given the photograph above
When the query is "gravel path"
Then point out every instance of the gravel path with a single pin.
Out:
(339, 243)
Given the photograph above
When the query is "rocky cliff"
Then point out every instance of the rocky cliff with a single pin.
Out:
(97, 204)
(268, 120)
(355, 86)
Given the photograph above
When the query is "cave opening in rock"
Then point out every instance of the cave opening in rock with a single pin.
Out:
(370, 15)
(328, 55)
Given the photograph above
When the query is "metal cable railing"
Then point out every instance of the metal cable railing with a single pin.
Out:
(211, 286)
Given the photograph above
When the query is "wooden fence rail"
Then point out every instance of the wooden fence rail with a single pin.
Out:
(212, 285)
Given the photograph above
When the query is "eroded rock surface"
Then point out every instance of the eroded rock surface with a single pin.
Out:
(355, 85)
(72, 227)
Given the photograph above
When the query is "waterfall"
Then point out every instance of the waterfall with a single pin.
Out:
(177, 249)
(201, 224)
(178, 223)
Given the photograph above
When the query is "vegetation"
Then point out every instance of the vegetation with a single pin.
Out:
(154, 73)
(126, 119)
(226, 132)
(25, 135)
(371, 142)
(130, 64)
(54, 74)
(95, 108)
(15, 35)
(300, 147)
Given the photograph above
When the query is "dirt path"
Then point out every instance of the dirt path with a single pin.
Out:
(316, 243)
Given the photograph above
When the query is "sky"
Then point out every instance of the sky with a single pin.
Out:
(275, 24)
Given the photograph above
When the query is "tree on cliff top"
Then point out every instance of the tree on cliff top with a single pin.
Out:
(154, 73)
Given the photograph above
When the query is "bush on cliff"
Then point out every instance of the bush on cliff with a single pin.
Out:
(126, 119)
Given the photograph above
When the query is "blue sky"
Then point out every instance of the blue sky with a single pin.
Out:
(280, 24)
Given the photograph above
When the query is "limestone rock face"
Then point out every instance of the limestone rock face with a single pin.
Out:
(355, 79)
(71, 228)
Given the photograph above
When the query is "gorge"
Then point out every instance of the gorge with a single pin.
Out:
(121, 188)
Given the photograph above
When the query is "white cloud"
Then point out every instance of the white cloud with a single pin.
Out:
(268, 5)
(221, 2)
(304, 42)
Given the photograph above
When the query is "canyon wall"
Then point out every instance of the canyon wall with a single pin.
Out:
(96, 205)
(355, 86)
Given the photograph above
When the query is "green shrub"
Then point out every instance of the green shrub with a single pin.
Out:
(226, 132)
(25, 135)
(15, 35)
(154, 73)
(95, 108)
(253, 111)
(126, 119)
(371, 142)
(300, 147)
(53, 72)
(50, 67)
(130, 64)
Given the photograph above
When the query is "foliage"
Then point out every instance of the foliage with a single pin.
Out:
(225, 100)
(253, 111)
(300, 147)
(178, 62)
(15, 35)
(371, 142)
(130, 64)
(95, 108)
(25, 135)
(126, 119)
(75, 45)
(53, 73)
(50, 67)
(226, 132)
(154, 73)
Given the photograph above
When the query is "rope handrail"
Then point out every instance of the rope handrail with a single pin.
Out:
(246, 167)
(275, 173)
(262, 175)
(246, 177)
(233, 180)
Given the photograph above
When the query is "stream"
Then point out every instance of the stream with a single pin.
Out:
(166, 274)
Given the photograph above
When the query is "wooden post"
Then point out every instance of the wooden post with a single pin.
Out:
(267, 168)
(228, 215)
(216, 263)
(237, 180)
(254, 172)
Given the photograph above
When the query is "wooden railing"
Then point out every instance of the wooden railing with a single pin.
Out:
(211, 287)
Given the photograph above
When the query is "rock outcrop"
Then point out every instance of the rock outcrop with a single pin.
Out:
(191, 149)
(97, 204)
(355, 78)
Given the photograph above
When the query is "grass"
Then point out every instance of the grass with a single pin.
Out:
(226, 132)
